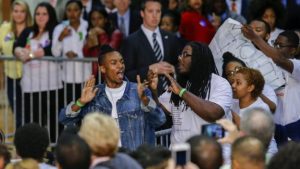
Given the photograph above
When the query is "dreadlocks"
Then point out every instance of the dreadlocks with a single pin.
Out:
(197, 81)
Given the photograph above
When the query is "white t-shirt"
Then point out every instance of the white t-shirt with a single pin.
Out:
(274, 35)
(186, 123)
(113, 95)
(257, 104)
(288, 109)
(269, 92)
(73, 72)
(40, 75)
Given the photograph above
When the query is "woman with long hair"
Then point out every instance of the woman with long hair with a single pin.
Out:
(41, 82)
(9, 33)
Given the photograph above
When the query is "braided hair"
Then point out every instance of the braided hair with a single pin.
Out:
(198, 80)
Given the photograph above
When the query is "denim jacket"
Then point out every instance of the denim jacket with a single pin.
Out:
(136, 126)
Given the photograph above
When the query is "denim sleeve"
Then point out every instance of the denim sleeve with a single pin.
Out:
(68, 117)
(155, 117)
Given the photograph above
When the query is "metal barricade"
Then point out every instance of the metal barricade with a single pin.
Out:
(29, 100)
(163, 138)
(48, 84)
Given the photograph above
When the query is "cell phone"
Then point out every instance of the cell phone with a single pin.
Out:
(213, 130)
(181, 153)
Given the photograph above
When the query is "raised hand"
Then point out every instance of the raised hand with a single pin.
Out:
(89, 91)
(248, 32)
(66, 32)
(162, 68)
(174, 86)
(141, 87)
(232, 130)
(152, 78)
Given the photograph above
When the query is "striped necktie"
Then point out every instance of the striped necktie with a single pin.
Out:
(122, 26)
(159, 58)
(156, 48)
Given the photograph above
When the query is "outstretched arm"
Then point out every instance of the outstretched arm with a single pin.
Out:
(207, 110)
(279, 58)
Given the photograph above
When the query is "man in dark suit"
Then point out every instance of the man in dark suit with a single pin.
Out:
(150, 48)
(125, 19)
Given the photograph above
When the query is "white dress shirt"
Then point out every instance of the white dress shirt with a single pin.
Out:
(149, 35)
(73, 72)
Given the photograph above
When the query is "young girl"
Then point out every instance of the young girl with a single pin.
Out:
(68, 40)
(230, 63)
(9, 33)
(101, 32)
(194, 25)
(270, 11)
(41, 82)
(247, 85)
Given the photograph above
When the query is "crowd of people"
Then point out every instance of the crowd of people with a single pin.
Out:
(157, 71)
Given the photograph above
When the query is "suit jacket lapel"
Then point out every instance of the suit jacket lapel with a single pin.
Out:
(147, 45)
(165, 40)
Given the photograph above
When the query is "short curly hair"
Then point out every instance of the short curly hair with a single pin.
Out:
(253, 77)
(31, 141)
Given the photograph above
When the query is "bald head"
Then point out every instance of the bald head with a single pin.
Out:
(258, 123)
(206, 152)
(247, 153)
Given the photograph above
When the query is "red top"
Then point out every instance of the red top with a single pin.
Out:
(114, 41)
(195, 27)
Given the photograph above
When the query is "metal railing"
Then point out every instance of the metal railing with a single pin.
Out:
(54, 92)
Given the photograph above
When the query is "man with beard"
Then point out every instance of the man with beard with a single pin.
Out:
(130, 104)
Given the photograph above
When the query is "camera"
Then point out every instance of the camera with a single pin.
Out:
(213, 130)
(181, 153)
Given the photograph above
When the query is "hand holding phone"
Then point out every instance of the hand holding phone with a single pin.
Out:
(181, 153)
(213, 130)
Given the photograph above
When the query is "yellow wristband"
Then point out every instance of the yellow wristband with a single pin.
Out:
(79, 104)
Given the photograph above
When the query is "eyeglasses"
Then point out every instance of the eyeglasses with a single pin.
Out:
(279, 46)
(233, 72)
(184, 55)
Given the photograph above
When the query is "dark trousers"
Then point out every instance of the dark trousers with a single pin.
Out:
(43, 108)
(292, 131)
(72, 91)
(14, 95)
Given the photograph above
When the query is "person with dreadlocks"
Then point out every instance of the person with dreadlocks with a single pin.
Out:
(205, 96)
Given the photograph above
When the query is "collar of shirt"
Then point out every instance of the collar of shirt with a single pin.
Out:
(238, 5)
(109, 11)
(98, 160)
(126, 17)
(88, 7)
(149, 35)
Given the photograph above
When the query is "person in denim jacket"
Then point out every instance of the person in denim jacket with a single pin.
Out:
(130, 104)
